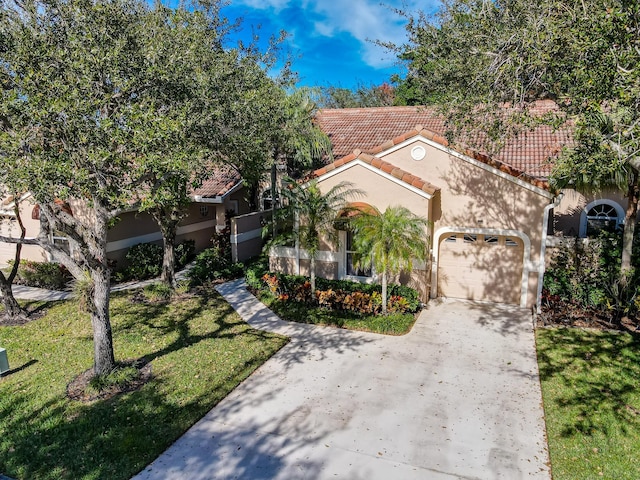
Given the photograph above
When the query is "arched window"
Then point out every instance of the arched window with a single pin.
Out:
(600, 215)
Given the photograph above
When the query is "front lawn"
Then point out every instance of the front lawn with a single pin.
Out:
(591, 391)
(199, 351)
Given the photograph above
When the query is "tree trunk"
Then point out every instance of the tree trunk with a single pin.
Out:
(384, 292)
(103, 358)
(312, 275)
(274, 203)
(629, 227)
(11, 306)
(169, 257)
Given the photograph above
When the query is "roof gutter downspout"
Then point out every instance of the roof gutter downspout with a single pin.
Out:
(543, 248)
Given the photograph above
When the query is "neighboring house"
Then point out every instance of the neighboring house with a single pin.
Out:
(9, 227)
(221, 194)
(490, 216)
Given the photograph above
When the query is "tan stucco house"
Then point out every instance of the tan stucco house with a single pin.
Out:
(491, 216)
(220, 194)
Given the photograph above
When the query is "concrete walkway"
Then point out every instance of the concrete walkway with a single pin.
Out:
(24, 292)
(456, 398)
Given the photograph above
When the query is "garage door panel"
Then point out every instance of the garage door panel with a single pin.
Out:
(481, 267)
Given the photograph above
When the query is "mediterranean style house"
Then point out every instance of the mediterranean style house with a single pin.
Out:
(221, 194)
(491, 217)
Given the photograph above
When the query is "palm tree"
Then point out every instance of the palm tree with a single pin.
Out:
(299, 142)
(315, 213)
(389, 241)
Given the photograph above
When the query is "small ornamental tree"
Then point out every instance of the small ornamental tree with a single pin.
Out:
(389, 241)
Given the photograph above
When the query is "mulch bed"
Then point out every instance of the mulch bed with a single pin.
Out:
(77, 388)
(19, 320)
(558, 313)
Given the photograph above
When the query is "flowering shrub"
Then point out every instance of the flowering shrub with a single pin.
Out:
(363, 302)
(302, 293)
(272, 282)
(360, 302)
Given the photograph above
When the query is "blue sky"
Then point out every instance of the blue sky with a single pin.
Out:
(331, 40)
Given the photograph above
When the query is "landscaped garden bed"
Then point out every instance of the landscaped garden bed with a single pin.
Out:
(193, 351)
(339, 303)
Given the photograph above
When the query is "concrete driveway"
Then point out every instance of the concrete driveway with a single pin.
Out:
(456, 398)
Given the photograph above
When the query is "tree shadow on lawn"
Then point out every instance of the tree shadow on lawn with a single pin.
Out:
(164, 319)
(597, 373)
(115, 438)
(108, 439)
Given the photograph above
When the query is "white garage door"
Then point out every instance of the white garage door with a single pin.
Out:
(480, 267)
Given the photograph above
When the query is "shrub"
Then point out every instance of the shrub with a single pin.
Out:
(344, 295)
(254, 272)
(211, 265)
(53, 276)
(586, 273)
(184, 252)
(410, 296)
(144, 260)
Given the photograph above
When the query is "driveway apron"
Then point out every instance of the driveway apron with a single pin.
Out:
(456, 398)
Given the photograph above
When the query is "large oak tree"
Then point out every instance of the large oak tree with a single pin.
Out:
(104, 108)
(473, 57)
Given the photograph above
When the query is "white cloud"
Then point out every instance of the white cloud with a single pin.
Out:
(364, 20)
(276, 5)
(367, 21)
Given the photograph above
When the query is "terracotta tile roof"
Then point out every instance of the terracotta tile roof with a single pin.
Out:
(373, 129)
(221, 181)
(380, 164)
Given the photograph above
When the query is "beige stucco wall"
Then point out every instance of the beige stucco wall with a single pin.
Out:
(475, 197)
(381, 193)
(132, 224)
(139, 227)
(378, 191)
(471, 196)
(9, 227)
(130, 228)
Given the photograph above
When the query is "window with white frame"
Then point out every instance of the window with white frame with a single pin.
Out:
(352, 259)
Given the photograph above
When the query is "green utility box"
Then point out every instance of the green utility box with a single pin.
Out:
(4, 362)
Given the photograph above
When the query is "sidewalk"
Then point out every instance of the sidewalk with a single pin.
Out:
(24, 292)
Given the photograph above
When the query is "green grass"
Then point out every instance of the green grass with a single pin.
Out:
(391, 324)
(591, 391)
(199, 350)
